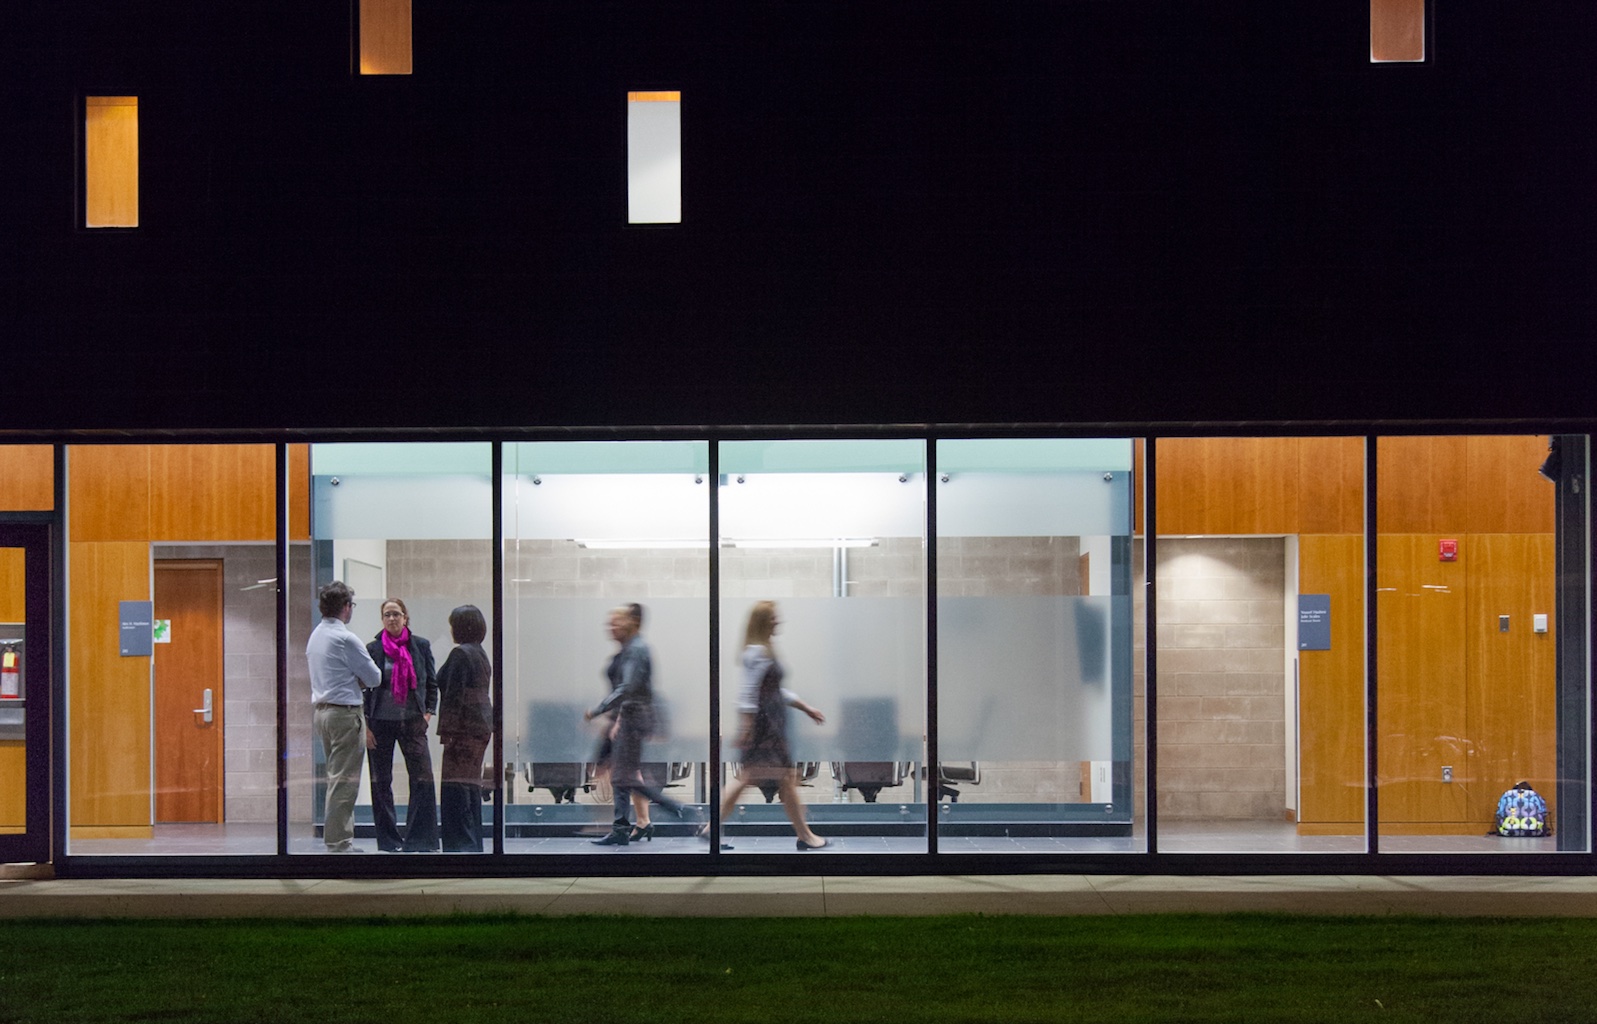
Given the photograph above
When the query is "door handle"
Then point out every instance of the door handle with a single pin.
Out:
(206, 710)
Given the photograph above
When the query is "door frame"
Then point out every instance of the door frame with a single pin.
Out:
(33, 843)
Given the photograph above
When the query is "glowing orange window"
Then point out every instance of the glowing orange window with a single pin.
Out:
(111, 161)
(1397, 30)
(385, 37)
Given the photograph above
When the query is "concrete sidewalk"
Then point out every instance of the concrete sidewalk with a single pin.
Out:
(803, 896)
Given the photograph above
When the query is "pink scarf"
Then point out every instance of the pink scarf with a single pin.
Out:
(398, 652)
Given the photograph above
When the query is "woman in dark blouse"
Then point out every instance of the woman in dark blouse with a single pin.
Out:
(466, 726)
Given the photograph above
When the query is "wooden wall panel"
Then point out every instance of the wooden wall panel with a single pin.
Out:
(1331, 687)
(108, 695)
(1236, 485)
(1421, 719)
(299, 492)
(13, 763)
(219, 492)
(27, 477)
(1422, 485)
(1330, 485)
(1512, 678)
(13, 592)
(108, 492)
(1507, 494)
(13, 795)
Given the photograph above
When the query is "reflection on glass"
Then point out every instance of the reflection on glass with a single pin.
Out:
(592, 530)
(1034, 644)
(833, 532)
(1261, 723)
(171, 640)
(1471, 619)
(411, 522)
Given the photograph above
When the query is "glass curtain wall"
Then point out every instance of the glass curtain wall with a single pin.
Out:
(601, 535)
(1260, 576)
(172, 633)
(1472, 610)
(412, 523)
(829, 536)
(1034, 646)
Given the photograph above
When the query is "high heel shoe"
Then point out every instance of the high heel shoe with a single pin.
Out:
(616, 838)
(640, 833)
(802, 845)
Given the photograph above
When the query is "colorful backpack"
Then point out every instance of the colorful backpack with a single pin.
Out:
(1522, 812)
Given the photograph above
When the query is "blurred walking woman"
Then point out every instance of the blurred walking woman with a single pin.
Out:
(398, 711)
(762, 709)
(631, 699)
(465, 725)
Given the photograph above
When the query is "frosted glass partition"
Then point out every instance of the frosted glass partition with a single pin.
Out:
(589, 527)
(1045, 662)
(832, 532)
(861, 661)
(1034, 636)
(560, 654)
(411, 521)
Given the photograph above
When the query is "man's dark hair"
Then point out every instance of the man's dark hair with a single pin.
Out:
(333, 597)
(635, 613)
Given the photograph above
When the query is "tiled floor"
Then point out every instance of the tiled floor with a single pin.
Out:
(1174, 837)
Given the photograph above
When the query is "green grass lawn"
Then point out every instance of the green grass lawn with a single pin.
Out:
(1238, 967)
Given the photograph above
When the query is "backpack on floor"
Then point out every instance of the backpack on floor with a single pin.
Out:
(1522, 812)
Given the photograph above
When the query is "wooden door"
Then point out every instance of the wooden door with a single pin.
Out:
(188, 762)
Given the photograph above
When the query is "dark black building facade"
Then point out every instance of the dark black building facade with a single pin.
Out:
(1068, 221)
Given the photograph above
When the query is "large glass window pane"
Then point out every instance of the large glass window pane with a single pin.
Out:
(171, 649)
(412, 523)
(1034, 645)
(1260, 576)
(590, 528)
(1470, 620)
(832, 533)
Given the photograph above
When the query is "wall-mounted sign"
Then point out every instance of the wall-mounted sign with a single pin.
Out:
(1314, 622)
(137, 618)
(162, 632)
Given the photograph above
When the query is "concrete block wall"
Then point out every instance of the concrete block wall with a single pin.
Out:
(1222, 717)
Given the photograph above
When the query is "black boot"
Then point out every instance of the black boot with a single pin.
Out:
(617, 837)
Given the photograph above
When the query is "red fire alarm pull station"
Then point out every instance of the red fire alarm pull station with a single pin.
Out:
(1447, 551)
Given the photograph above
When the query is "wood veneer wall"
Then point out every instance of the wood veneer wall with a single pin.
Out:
(123, 498)
(1454, 689)
(27, 477)
(13, 758)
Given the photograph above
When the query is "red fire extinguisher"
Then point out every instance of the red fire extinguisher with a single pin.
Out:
(10, 674)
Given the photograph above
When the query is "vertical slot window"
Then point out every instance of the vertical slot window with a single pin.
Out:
(654, 158)
(1397, 31)
(111, 161)
(385, 37)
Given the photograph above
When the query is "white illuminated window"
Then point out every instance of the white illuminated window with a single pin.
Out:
(654, 157)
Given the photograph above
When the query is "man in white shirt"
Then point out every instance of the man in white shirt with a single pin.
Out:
(340, 669)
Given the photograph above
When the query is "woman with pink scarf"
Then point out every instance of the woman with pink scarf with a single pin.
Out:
(398, 712)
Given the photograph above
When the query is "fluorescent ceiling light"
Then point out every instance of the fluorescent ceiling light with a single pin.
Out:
(803, 542)
(607, 544)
